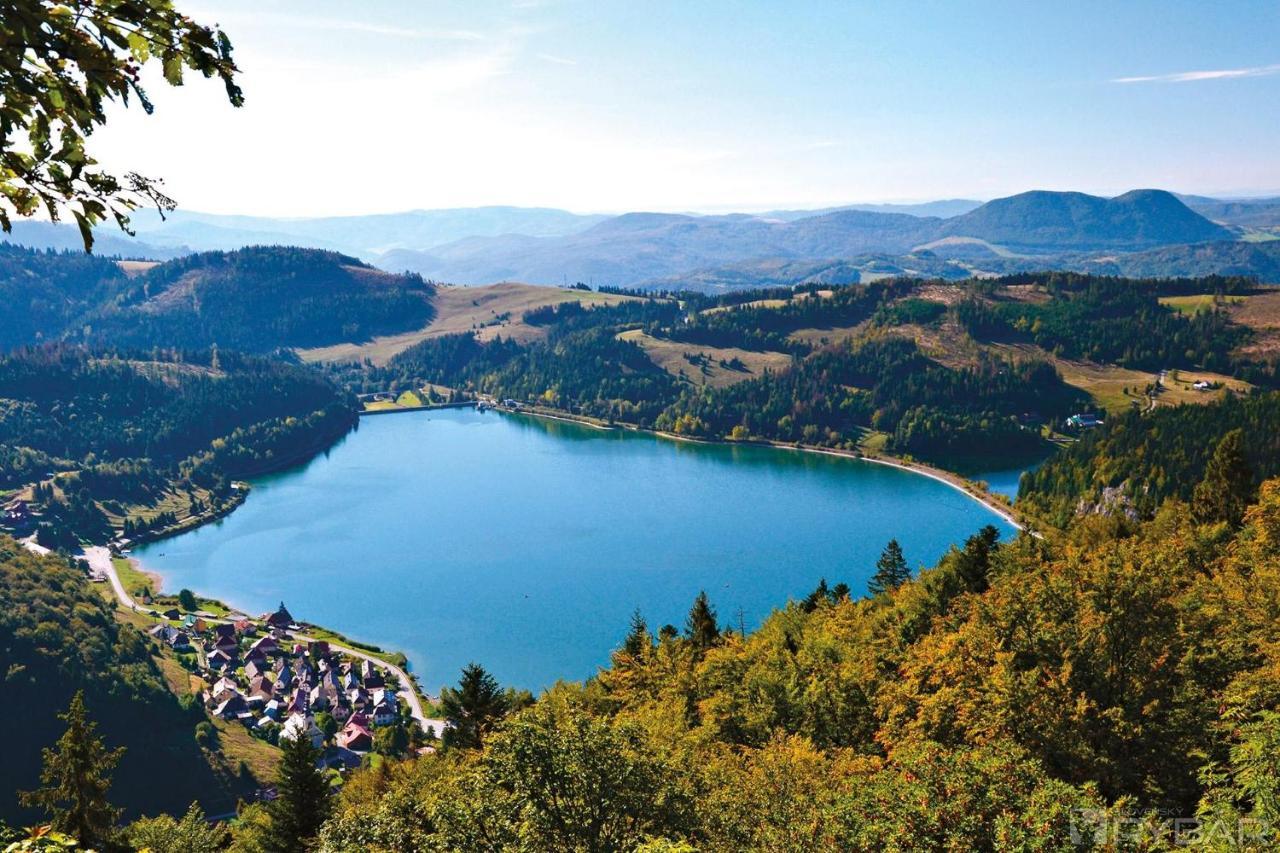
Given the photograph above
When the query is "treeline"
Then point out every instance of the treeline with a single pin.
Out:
(887, 384)
(1136, 462)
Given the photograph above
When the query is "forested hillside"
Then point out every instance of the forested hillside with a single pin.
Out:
(1136, 462)
(128, 429)
(951, 372)
(257, 299)
(58, 636)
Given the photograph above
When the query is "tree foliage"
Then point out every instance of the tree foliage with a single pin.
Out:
(61, 65)
(77, 776)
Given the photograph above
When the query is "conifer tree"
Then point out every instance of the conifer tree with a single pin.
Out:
(1228, 484)
(302, 801)
(77, 776)
(701, 628)
(474, 707)
(891, 570)
(638, 640)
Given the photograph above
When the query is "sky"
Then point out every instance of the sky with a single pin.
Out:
(355, 108)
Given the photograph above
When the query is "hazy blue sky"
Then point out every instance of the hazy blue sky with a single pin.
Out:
(694, 105)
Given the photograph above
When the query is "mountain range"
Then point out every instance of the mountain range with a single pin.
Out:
(952, 238)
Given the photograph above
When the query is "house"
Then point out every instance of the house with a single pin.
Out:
(178, 640)
(224, 629)
(282, 618)
(222, 688)
(195, 623)
(253, 667)
(227, 644)
(173, 614)
(272, 709)
(232, 708)
(1202, 385)
(1084, 421)
(299, 702)
(262, 686)
(318, 649)
(245, 628)
(218, 659)
(355, 737)
(340, 709)
(303, 725)
(385, 707)
(264, 646)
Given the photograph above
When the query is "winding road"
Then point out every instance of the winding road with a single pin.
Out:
(99, 559)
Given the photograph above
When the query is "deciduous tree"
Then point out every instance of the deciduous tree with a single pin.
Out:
(61, 64)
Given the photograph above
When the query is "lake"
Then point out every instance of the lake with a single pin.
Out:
(526, 544)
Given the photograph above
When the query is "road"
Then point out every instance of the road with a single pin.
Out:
(99, 559)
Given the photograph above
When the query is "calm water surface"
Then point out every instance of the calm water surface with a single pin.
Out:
(526, 544)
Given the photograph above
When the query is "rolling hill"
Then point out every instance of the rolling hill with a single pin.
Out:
(1056, 221)
(643, 247)
(255, 299)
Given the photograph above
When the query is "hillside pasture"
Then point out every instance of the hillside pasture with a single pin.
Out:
(705, 368)
(490, 311)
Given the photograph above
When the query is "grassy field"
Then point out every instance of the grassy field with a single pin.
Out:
(1261, 313)
(706, 369)
(491, 310)
(1194, 304)
(407, 400)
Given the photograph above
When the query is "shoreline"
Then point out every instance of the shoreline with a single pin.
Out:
(949, 478)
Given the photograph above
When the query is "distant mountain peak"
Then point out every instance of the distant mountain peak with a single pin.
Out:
(1049, 220)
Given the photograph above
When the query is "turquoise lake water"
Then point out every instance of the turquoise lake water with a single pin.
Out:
(525, 544)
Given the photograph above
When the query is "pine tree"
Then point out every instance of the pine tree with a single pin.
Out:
(77, 776)
(891, 570)
(820, 595)
(638, 640)
(474, 707)
(1228, 484)
(302, 801)
(701, 628)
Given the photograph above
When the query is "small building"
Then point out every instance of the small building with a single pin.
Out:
(232, 707)
(1084, 421)
(302, 725)
(173, 614)
(282, 618)
(355, 737)
(1202, 385)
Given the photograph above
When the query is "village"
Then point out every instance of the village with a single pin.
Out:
(280, 686)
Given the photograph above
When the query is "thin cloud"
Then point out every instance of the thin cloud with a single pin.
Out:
(556, 60)
(1195, 76)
